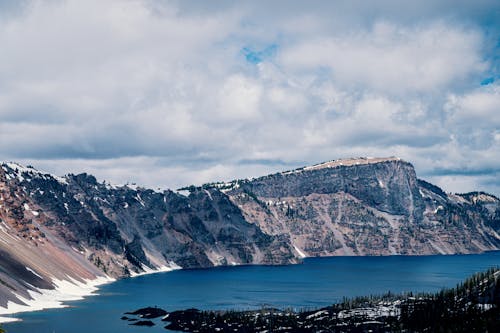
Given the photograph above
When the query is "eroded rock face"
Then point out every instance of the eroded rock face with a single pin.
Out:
(367, 207)
(389, 185)
(76, 227)
(80, 228)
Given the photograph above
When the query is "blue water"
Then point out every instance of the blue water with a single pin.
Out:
(315, 283)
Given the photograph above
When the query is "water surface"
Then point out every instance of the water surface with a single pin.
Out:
(315, 283)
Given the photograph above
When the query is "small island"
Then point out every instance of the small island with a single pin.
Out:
(473, 306)
(145, 313)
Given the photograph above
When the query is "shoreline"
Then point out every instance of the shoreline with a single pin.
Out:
(73, 290)
(65, 291)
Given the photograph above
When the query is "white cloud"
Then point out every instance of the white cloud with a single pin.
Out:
(239, 99)
(392, 59)
(479, 108)
(161, 93)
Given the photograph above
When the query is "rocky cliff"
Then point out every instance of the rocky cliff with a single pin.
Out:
(55, 230)
(75, 229)
(367, 207)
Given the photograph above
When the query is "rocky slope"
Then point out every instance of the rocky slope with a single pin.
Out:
(75, 229)
(55, 231)
(367, 207)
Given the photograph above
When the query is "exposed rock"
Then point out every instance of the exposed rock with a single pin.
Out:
(149, 312)
(78, 228)
(367, 207)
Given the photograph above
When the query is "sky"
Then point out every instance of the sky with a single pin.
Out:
(170, 93)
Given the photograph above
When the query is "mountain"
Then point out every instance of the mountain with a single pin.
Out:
(374, 206)
(59, 237)
(73, 229)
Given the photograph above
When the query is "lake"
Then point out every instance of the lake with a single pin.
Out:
(315, 283)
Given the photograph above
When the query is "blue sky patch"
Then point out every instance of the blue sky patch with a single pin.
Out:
(255, 57)
(487, 81)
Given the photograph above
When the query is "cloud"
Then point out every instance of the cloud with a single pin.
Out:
(474, 121)
(179, 92)
(393, 59)
(239, 99)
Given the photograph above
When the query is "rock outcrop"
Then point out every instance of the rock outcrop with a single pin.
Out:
(367, 207)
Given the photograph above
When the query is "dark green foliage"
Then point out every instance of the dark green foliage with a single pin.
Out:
(431, 187)
(465, 308)
(473, 306)
(257, 200)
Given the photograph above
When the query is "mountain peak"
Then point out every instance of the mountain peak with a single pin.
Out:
(21, 172)
(346, 162)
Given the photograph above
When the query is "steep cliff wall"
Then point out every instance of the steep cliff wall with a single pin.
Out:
(367, 207)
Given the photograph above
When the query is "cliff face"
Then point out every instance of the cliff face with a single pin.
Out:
(75, 228)
(367, 207)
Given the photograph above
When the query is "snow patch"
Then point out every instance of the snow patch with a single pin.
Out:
(19, 170)
(64, 291)
(32, 271)
(301, 254)
(317, 314)
(132, 186)
(184, 193)
(348, 162)
(209, 195)
(484, 307)
(148, 270)
(139, 199)
(8, 319)
(438, 209)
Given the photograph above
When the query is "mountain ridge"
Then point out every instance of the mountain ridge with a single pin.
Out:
(82, 230)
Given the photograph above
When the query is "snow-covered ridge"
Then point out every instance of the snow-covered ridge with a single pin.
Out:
(235, 184)
(14, 170)
(344, 162)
